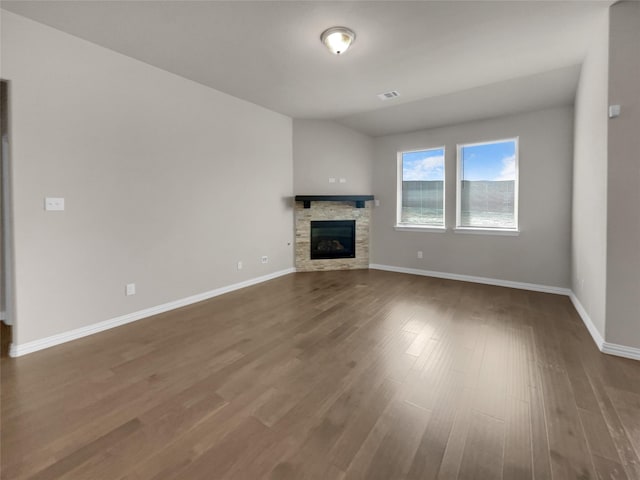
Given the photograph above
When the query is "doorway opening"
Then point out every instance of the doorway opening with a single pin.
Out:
(6, 316)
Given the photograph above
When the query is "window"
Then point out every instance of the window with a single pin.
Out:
(487, 190)
(421, 188)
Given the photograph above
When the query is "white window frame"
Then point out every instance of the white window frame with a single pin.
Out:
(516, 191)
(420, 227)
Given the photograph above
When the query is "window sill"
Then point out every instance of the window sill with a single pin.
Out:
(419, 228)
(487, 231)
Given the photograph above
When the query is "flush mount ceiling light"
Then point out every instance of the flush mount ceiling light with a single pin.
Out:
(338, 39)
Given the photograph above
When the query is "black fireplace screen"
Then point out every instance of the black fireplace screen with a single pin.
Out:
(333, 239)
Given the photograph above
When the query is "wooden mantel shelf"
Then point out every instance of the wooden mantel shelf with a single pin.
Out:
(358, 199)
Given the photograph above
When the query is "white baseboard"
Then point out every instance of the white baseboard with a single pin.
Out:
(621, 350)
(34, 346)
(605, 347)
(586, 319)
(469, 278)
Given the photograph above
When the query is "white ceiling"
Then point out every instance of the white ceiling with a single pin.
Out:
(451, 61)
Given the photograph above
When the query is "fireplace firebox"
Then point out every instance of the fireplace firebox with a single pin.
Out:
(333, 239)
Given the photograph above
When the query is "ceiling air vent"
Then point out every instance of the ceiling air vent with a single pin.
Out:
(388, 95)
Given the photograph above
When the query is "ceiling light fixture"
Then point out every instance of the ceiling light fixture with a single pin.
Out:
(338, 39)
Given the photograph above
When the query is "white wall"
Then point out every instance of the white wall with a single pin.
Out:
(324, 149)
(167, 183)
(589, 231)
(623, 193)
(541, 253)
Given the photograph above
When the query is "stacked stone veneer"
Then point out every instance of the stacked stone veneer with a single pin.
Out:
(331, 211)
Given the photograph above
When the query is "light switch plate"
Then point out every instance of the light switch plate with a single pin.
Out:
(53, 204)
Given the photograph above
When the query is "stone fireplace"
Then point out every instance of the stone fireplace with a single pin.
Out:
(332, 233)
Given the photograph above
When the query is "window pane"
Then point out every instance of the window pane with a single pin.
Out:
(423, 187)
(488, 185)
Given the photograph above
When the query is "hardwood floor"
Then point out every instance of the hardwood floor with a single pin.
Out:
(330, 375)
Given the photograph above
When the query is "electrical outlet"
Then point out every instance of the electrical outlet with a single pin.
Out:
(343, 180)
(332, 180)
(419, 254)
(53, 204)
(130, 289)
(376, 202)
(240, 265)
(265, 259)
